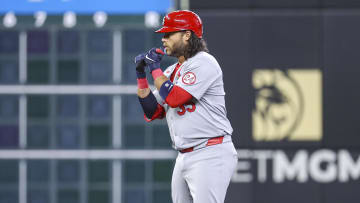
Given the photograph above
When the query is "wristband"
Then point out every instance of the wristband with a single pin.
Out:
(165, 89)
(142, 83)
(157, 73)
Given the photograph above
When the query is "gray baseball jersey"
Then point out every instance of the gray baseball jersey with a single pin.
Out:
(205, 116)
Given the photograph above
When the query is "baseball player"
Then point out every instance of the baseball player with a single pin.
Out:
(190, 94)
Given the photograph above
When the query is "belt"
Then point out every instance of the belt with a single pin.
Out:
(211, 141)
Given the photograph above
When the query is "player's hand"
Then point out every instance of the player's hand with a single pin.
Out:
(140, 63)
(153, 58)
(140, 66)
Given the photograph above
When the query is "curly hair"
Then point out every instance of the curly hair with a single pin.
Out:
(195, 45)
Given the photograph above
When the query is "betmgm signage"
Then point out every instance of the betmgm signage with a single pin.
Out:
(288, 108)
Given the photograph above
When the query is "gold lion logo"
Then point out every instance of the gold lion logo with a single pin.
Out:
(287, 105)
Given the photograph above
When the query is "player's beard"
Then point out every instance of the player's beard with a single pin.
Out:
(178, 49)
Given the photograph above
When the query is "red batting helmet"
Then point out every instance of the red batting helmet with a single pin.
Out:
(182, 20)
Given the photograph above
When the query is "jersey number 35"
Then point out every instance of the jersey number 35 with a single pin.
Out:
(188, 107)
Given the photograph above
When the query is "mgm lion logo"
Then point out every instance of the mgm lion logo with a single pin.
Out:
(287, 105)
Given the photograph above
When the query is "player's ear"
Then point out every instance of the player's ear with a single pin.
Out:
(187, 35)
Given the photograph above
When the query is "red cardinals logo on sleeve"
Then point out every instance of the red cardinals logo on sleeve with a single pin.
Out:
(189, 78)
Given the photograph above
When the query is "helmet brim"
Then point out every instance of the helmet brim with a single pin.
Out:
(168, 29)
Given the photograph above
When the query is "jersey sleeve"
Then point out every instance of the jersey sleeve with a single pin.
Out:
(198, 77)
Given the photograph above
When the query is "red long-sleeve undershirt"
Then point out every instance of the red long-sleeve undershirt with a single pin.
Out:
(177, 97)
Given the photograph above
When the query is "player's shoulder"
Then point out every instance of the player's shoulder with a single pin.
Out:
(204, 57)
(204, 60)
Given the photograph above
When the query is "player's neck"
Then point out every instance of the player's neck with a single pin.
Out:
(181, 59)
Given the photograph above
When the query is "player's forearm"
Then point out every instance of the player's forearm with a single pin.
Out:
(159, 81)
(142, 93)
(148, 103)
